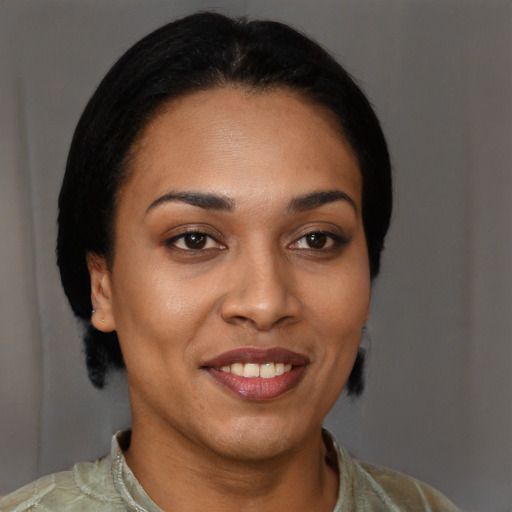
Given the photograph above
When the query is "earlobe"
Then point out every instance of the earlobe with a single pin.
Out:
(102, 317)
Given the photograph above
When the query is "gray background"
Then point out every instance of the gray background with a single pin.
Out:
(439, 394)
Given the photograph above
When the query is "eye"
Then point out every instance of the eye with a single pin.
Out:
(194, 241)
(318, 240)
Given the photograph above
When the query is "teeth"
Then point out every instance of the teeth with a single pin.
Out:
(253, 370)
(267, 371)
(237, 369)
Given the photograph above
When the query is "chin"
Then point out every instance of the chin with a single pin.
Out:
(257, 439)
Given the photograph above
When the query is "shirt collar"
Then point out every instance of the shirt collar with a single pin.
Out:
(136, 500)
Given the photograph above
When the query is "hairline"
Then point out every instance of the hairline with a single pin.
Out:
(126, 170)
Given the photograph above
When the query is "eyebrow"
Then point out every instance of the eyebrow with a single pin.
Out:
(207, 201)
(315, 199)
(200, 199)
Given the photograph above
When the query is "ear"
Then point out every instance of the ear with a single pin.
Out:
(101, 293)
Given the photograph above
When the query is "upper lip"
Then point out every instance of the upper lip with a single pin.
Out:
(257, 356)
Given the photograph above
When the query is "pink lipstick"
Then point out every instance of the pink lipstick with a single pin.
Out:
(257, 374)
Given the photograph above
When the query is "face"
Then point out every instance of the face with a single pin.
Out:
(240, 279)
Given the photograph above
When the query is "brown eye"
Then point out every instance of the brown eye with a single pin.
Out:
(195, 240)
(319, 241)
(316, 240)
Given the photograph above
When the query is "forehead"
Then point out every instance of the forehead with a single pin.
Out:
(232, 141)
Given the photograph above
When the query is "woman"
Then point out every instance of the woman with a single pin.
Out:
(224, 208)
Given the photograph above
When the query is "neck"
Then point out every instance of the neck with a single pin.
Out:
(183, 476)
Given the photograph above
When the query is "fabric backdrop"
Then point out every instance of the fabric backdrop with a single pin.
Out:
(439, 392)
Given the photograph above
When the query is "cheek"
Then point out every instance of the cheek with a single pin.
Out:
(158, 311)
(341, 301)
(341, 306)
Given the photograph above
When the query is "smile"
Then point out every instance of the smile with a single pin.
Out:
(255, 370)
(257, 374)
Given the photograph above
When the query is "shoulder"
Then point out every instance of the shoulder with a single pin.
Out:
(369, 488)
(86, 487)
(392, 488)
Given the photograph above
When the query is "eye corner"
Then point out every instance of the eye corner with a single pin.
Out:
(194, 241)
(319, 240)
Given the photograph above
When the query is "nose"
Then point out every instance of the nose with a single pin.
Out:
(261, 294)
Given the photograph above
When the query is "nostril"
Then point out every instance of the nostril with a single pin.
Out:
(242, 320)
(260, 322)
(261, 300)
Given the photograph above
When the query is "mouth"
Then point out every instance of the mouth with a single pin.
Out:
(257, 374)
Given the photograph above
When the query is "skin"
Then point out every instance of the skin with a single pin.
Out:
(257, 282)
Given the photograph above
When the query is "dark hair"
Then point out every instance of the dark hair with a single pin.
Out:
(198, 52)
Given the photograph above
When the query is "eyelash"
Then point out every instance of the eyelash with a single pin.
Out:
(336, 241)
(172, 242)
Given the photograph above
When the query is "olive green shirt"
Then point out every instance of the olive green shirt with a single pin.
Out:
(109, 485)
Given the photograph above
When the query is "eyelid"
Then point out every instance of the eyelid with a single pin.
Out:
(170, 242)
(337, 240)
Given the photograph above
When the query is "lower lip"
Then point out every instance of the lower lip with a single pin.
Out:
(258, 389)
